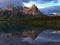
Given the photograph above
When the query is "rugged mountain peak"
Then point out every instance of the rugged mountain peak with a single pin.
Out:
(32, 11)
(33, 6)
(24, 10)
(35, 10)
(9, 8)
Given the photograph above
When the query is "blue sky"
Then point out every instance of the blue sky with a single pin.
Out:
(28, 3)
(42, 5)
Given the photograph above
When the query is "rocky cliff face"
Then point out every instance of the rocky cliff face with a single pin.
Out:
(23, 10)
(32, 11)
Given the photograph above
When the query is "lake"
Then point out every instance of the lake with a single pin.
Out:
(42, 37)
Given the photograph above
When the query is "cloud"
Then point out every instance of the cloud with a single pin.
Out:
(4, 3)
(20, 2)
(45, 1)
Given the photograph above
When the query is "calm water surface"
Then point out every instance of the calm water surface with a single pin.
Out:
(43, 37)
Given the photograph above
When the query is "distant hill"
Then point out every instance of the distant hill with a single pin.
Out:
(58, 14)
(50, 10)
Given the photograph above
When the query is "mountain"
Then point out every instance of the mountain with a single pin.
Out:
(18, 12)
(23, 10)
(30, 11)
(51, 10)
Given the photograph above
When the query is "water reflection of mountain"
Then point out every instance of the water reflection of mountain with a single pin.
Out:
(48, 36)
(43, 37)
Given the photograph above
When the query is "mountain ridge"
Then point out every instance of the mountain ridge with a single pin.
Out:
(25, 10)
(51, 10)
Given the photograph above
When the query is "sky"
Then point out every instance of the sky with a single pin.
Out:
(29, 3)
(43, 4)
